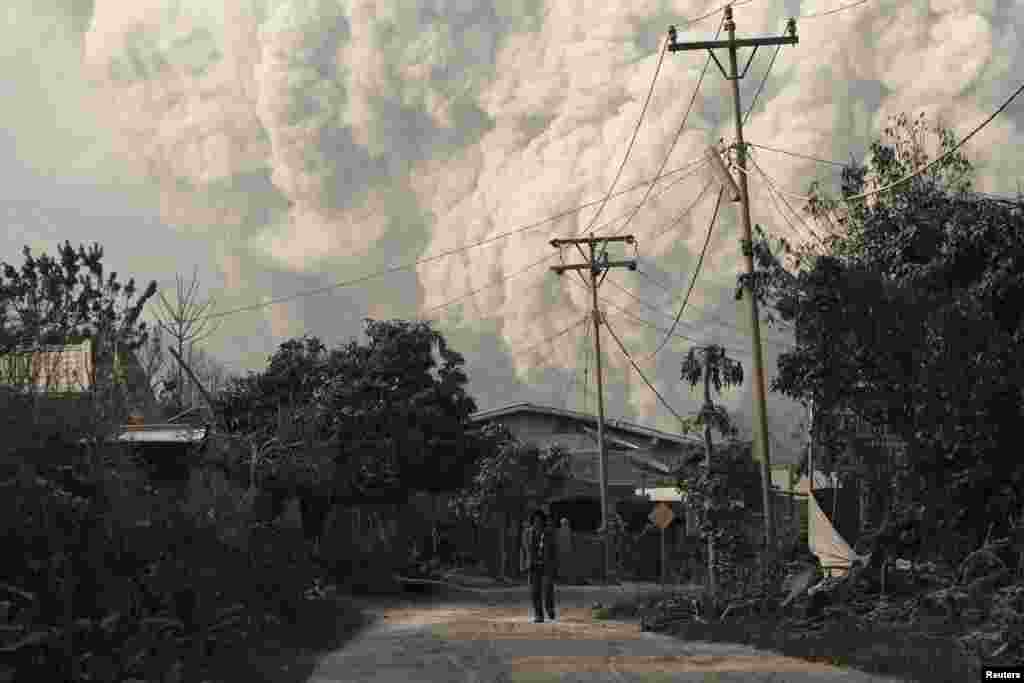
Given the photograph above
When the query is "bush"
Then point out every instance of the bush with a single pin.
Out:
(116, 577)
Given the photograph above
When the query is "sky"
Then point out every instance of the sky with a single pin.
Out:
(279, 146)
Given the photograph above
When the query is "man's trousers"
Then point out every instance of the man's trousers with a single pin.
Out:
(542, 590)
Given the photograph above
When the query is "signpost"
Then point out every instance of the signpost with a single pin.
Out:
(662, 516)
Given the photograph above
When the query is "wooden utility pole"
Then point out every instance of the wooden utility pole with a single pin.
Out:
(762, 452)
(598, 266)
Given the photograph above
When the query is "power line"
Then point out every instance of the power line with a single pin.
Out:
(665, 314)
(548, 257)
(427, 259)
(693, 279)
(799, 156)
(632, 140)
(682, 125)
(671, 290)
(943, 156)
(760, 87)
(773, 193)
(713, 12)
(782, 196)
(841, 8)
(654, 326)
(640, 372)
(547, 340)
(915, 173)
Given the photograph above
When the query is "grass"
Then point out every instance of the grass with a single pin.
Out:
(289, 653)
(901, 653)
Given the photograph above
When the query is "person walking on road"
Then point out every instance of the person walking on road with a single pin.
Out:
(542, 562)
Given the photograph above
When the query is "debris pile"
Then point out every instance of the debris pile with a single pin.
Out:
(979, 605)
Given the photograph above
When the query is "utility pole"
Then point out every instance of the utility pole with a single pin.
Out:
(762, 452)
(598, 266)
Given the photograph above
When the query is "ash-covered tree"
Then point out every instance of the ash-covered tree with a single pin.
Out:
(911, 319)
(394, 408)
(511, 478)
(398, 408)
(725, 487)
(68, 298)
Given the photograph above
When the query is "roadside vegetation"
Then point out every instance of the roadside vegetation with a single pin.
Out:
(907, 316)
(208, 564)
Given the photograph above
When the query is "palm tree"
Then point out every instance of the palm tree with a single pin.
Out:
(710, 365)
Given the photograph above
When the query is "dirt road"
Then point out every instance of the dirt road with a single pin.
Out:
(471, 641)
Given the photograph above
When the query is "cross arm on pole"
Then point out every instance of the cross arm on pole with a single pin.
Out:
(631, 264)
(628, 239)
(733, 44)
(738, 43)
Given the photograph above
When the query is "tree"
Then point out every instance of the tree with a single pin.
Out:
(394, 409)
(511, 478)
(211, 373)
(711, 365)
(67, 299)
(909, 320)
(399, 416)
(186, 323)
(153, 360)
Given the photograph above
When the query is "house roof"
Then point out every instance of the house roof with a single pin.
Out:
(662, 494)
(163, 434)
(620, 425)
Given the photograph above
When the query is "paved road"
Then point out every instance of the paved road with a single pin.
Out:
(492, 640)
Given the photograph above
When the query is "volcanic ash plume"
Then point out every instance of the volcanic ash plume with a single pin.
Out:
(336, 132)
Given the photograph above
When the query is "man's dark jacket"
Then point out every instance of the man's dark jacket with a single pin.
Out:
(548, 554)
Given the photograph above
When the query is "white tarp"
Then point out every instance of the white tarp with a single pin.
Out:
(832, 550)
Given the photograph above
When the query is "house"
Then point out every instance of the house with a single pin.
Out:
(52, 369)
(64, 373)
(638, 457)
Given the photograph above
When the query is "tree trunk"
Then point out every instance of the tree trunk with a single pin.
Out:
(709, 451)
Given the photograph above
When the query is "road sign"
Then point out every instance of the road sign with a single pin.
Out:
(662, 515)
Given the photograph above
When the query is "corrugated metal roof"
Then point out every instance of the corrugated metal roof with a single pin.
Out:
(621, 425)
(163, 434)
(662, 494)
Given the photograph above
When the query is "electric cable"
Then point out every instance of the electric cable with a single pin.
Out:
(444, 254)
(942, 157)
(918, 171)
(815, 15)
(632, 140)
(760, 87)
(671, 290)
(693, 279)
(550, 338)
(798, 155)
(648, 323)
(775, 186)
(713, 12)
(548, 257)
(679, 132)
(640, 372)
(654, 309)
(772, 194)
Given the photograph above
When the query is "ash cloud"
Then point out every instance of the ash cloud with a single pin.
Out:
(311, 141)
